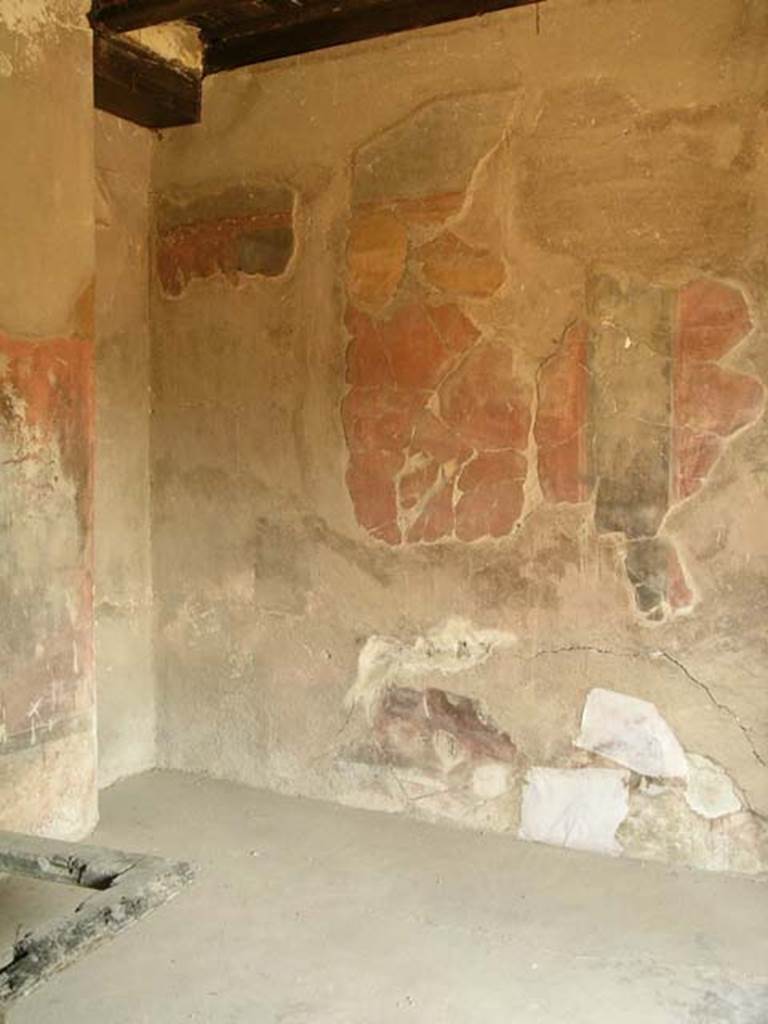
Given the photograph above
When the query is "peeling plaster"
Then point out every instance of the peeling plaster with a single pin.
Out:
(710, 792)
(448, 649)
(641, 166)
(34, 21)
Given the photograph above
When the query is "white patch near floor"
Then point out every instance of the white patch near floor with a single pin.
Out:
(310, 913)
(580, 808)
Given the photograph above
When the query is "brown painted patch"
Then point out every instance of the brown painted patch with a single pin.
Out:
(84, 313)
(428, 210)
(417, 351)
(423, 386)
(710, 400)
(376, 252)
(451, 265)
(695, 455)
(367, 360)
(435, 519)
(437, 731)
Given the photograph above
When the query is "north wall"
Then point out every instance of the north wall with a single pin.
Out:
(458, 470)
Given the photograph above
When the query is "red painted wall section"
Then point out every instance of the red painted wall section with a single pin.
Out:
(437, 423)
(442, 422)
(710, 402)
(46, 442)
(237, 232)
(249, 244)
(437, 418)
(562, 420)
(456, 428)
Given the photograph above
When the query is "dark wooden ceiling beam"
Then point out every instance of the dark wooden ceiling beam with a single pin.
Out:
(346, 23)
(125, 15)
(136, 84)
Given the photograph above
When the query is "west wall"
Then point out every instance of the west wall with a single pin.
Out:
(47, 726)
(458, 475)
(123, 586)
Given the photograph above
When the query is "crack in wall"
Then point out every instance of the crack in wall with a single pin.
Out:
(640, 656)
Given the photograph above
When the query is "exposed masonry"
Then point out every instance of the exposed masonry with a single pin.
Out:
(588, 809)
(443, 752)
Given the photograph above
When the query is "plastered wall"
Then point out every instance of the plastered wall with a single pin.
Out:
(458, 476)
(123, 586)
(47, 727)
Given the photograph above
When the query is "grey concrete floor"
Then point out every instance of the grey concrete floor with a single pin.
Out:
(307, 913)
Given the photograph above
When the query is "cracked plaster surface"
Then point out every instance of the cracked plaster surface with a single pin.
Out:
(452, 434)
(571, 180)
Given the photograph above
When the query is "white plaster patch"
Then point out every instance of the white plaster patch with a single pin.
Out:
(448, 649)
(580, 808)
(30, 16)
(631, 732)
(710, 791)
(175, 41)
(34, 20)
(490, 780)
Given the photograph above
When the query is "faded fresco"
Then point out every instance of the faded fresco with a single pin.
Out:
(458, 484)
